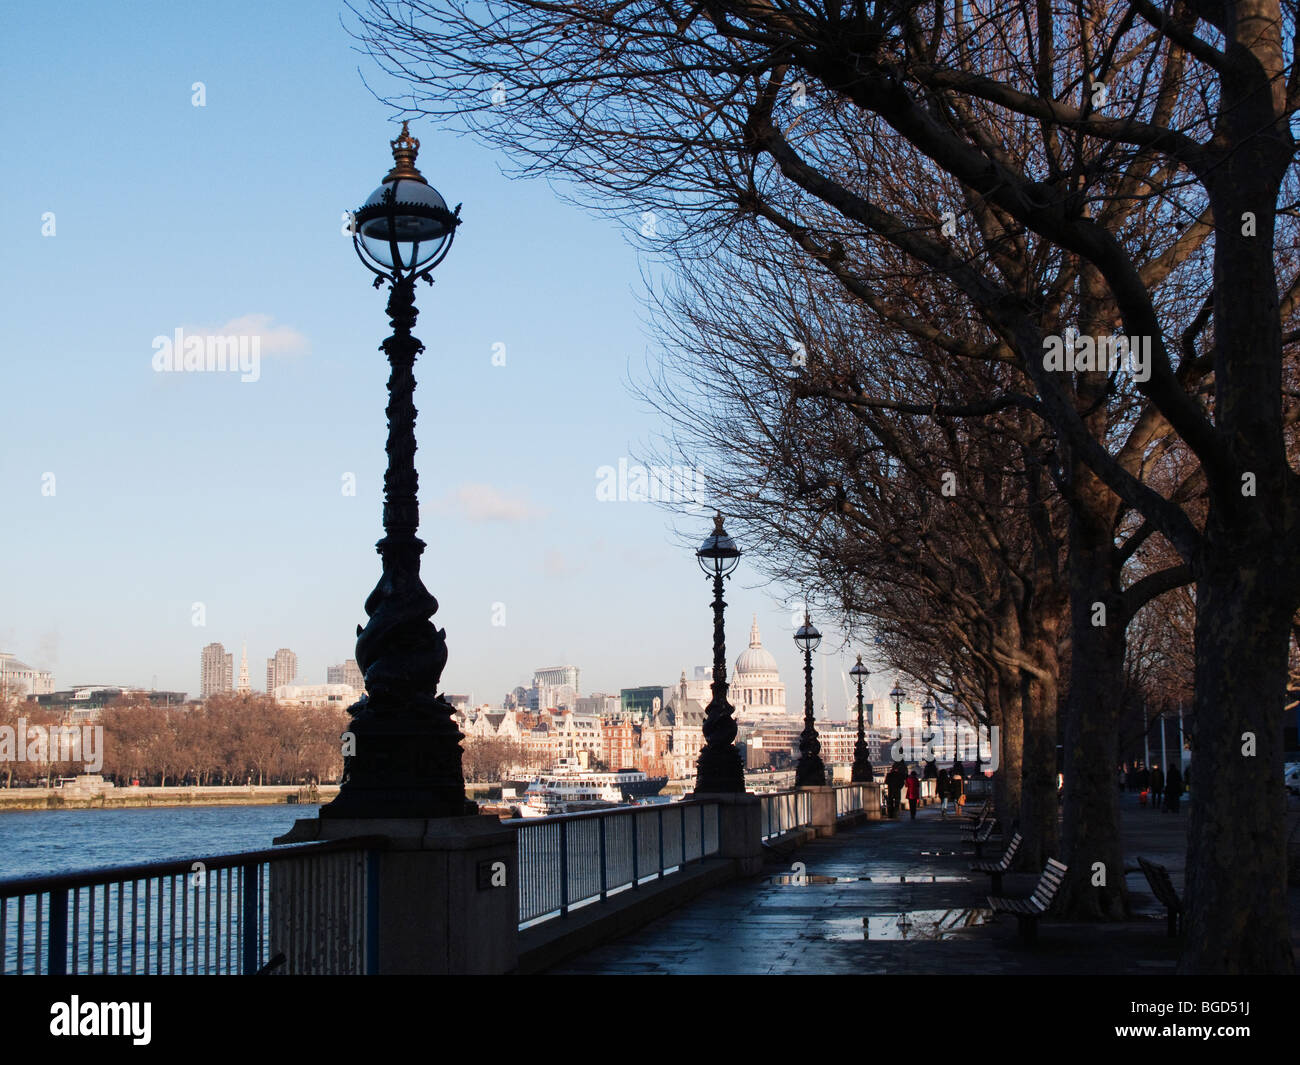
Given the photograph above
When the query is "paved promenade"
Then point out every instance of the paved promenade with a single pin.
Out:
(894, 897)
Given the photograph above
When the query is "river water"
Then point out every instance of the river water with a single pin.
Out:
(63, 841)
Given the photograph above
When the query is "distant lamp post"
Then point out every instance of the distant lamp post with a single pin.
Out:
(402, 756)
(897, 695)
(862, 771)
(931, 769)
(810, 772)
(719, 769)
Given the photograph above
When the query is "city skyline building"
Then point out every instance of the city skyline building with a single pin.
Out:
(346, 672)
(556, 677)
(337, 695)
(554, 687)
(756, 689)
(18, 678)
(281, 669)
(216, 670)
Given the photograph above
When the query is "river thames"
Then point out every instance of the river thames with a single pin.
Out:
(63, 841)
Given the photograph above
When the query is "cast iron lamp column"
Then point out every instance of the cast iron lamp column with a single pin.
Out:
(809, 773)
(862, 771)
(719, 769)
(897, 695)
(931, 767)
(404, 758)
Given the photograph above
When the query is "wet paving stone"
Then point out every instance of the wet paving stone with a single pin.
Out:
(898, 897)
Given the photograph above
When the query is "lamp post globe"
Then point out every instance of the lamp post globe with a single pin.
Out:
(404, 228)
(402, 755)
(719, 769)
(809, 772)
(862, 771)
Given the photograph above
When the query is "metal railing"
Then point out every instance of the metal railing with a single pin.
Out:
(208, 916)
(785, 810)
(576, 859)
(852, 798)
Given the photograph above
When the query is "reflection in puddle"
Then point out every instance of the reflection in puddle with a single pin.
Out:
(911, 878)
(914, 924)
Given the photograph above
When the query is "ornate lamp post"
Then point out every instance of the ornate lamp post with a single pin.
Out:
(897, 695)
(402, 756)
(862, 771)
(809, 773)
(931, 768)
(719, 768)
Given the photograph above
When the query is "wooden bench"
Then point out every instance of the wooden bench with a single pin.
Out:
(1002, 865)
(1028, 911)
(983, 814)
(978, 836)
(1163, 889)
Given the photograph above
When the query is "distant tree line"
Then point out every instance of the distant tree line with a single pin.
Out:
(227, 739)
(490, 759)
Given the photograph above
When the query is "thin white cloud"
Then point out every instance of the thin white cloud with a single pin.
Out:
(274, 339)
(483, 502)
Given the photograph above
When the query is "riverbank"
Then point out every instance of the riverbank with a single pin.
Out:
(14, 799)
(74, 798)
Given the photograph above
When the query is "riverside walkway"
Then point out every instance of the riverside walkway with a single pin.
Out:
(898, 897)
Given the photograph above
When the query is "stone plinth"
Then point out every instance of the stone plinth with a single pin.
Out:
(871, 801)
(740, 829)
(441, 897)
(823, 810)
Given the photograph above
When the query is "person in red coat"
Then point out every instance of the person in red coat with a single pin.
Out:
(913, 792)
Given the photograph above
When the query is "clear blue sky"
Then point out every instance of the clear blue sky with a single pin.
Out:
(171, 490)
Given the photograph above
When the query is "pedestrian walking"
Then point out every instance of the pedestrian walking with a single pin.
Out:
(894, 787)
(943, 786)
(1157, 785)
(913, 792)
(1173, 789)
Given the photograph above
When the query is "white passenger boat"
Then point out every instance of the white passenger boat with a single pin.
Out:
(569, 790)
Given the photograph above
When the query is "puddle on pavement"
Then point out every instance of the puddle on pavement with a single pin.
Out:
(918, 878)
(910, 925)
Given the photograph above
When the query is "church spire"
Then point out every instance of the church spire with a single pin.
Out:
(243, 687)
(755, 640)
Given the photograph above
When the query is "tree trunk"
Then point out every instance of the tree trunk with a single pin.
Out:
(1246, 590)
(1002, 803)
(1013, 746)
(1236, 859)
(1094, 888)
(1039, 822)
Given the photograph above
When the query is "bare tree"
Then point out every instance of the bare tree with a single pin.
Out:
(1143, 153)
